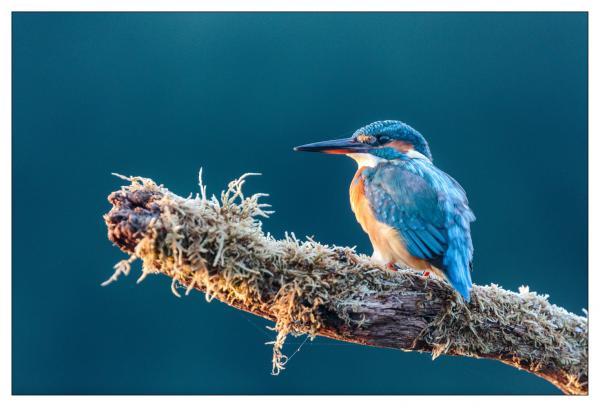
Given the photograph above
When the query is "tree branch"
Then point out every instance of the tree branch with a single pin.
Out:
(218, 247)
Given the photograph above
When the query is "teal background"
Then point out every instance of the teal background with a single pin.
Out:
(501, 97)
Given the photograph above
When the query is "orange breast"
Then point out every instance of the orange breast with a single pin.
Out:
(359, 203)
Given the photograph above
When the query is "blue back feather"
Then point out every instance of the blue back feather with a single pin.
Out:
(430, 211)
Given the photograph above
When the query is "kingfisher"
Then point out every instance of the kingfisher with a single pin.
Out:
(414, 213)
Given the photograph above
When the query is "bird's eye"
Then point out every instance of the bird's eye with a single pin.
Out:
(383, 139)
(363, 138)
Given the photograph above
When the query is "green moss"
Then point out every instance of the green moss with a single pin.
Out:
(218, 246)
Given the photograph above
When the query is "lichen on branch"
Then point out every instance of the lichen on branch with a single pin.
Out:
(217, 246)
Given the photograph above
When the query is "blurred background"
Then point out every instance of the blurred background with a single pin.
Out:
(501, 97)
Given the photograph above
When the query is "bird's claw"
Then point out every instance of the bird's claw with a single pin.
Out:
(392, 266)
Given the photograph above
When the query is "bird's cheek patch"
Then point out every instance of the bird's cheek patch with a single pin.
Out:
(400, 146)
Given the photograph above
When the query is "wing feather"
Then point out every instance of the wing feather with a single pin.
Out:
(430, 211)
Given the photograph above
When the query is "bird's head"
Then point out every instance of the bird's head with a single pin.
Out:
(382, 140)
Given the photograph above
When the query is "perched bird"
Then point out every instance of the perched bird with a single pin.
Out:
(414, 213)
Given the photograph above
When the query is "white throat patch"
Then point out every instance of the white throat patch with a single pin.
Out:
(416, 154)
(366, 159)
(370, 160)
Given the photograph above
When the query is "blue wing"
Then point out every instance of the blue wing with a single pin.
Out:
(430, 211)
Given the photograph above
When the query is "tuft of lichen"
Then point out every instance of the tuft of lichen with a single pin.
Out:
(216, 245)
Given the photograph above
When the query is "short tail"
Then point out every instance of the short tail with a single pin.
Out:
(462, 283)
(458, 259)
(462, 286)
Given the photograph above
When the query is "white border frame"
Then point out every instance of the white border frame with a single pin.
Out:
(9, 6)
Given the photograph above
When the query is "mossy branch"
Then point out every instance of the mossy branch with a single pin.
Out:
(218, 247)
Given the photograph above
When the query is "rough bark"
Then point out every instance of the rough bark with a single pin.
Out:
(218, 247)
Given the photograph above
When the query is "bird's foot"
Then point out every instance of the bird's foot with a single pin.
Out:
(392, 266)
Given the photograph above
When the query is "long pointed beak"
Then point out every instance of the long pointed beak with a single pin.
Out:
(340, 146)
